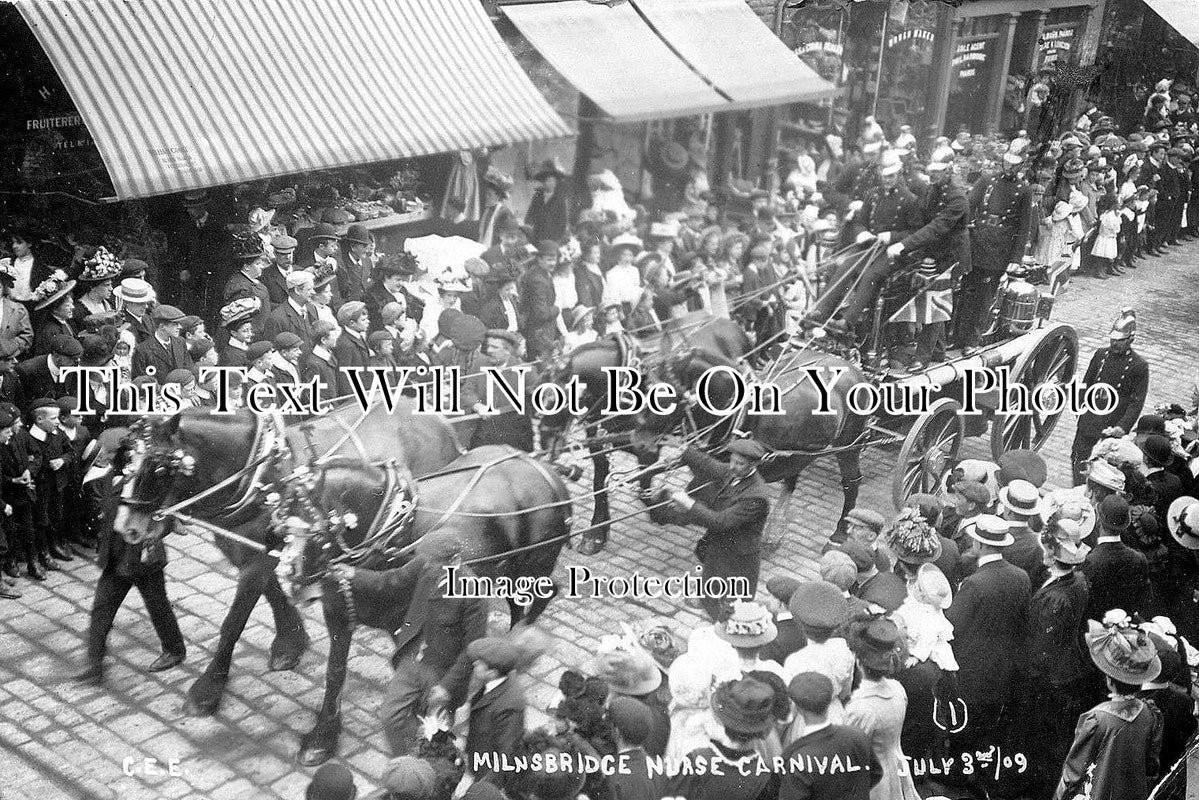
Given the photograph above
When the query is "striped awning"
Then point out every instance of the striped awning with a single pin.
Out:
(648, 59)
(186, 94)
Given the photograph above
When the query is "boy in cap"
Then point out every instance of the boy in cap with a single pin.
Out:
(790, 632)
(732, 504)
(821, 609)
(352, 348)
(274, 277)
(297, 313)
(382, 346)
(320, 361)
(258, 358)
(497, 709)
(823, 739)
(285, 362)
(165, 350)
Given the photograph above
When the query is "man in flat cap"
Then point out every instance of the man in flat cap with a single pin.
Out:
(504, 424)
(274, 277)
(497, 709)
(822, 740)
(732, 504)
(296, 314)
(42, 376)
(165, 350)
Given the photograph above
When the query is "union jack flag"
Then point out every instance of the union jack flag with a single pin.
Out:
(933, 303)
(1058, 274)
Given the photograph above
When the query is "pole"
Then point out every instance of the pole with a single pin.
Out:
(878, 69)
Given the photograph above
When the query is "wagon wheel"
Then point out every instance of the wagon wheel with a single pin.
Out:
(929, 451)
(1051, 359)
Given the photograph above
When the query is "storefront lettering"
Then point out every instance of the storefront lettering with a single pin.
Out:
(822, 47)
(906, 35)
(968, 52)
(47, 123)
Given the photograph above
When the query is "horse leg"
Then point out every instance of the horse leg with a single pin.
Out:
(851, 480)
(291, 640)
(595, 539)
(780, 516)
(530, 615)
(320, 743)
(204, 696)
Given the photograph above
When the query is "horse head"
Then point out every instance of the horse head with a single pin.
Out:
(587, 364)
(162, 461)
(346, 512)
(683, 369)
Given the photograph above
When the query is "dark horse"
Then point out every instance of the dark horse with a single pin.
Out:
(605, 432)
(490, 502)
(797, 435)
(222, 446)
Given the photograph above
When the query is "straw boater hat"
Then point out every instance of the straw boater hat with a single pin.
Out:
(1121, 651)
(749, 626)
(240, 310)
(135, 290)
(1183, 520)
(1020, 498)
(103, 266)
(991, 530)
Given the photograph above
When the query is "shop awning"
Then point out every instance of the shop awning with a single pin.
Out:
(1181, 15)
(649, 59)
(185, 94)
(730, 45)
(612, 56)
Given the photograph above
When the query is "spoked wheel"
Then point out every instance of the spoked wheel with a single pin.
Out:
(1049, 361)
(929, 451)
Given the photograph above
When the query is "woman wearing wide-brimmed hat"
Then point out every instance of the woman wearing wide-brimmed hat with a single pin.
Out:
(95, 285)
(1115, 748)
(53, 303)
(549, 210)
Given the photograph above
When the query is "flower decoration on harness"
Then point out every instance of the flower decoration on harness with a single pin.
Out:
(50, 286)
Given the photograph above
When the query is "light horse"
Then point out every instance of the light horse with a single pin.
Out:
(236, 454)
(590, 365)
(496, 504)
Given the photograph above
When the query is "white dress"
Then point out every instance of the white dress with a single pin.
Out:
(623, 284)
(1105, 242)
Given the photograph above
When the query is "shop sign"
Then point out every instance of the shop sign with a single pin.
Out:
(968, 57)
(60, 132)
(917, 34)
(1056, 44)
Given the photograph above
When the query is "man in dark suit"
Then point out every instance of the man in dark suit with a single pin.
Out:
(538, 301)
(1118, 575)
(165, 350)
(501, 307)
(356, 265)
(1166, 485)
(820, 743)
(988, 616)
(731, 503)
(1019, 502)
(41, 376)
(791, 633)
(432, 634)
(198, 245)
(296, 314)
(248, 283)
(274, 277)
(497, 709)
(388, 287)
(122, 567)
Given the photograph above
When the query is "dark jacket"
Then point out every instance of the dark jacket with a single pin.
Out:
(1121, 739)
(14, 460)
(895, 210)
(549, 217)
(240, 285)
(152, 353)
(36, 380)
(835, 741)
(1178, 720)
(352, 279)
(351, 351)
(285, 318)
(789, 640)
(989, 616)
(733, 775)
(537, 298)
(313, 366)
(1129, 376)
(1118, 577)
(589, 287)
(1001, 219)
(885, 589)
(492, 314)
(733, 513)
(945, 234)
(1057, 617)
(47, 329)
(275, 283)
(637, 783)
(1026, 553)
(497, 721)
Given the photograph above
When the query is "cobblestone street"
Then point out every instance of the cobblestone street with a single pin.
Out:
(64, 740)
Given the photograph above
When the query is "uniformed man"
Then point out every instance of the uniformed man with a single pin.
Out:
(731, 502)
(889, 214)
(1002, 209)
(945, 239)
(1128, 374)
